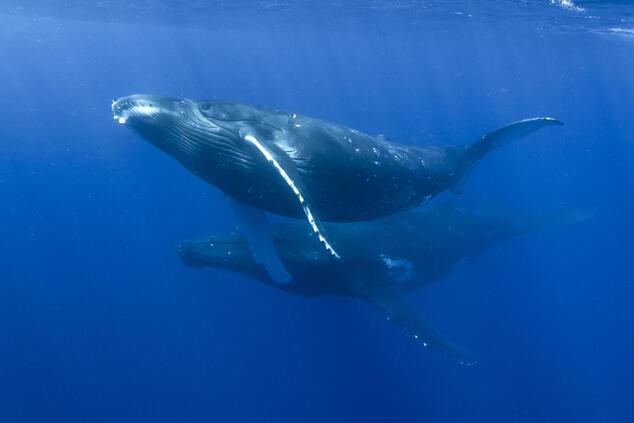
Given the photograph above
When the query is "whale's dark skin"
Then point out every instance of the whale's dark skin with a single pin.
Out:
(385, 258)
(344, 174)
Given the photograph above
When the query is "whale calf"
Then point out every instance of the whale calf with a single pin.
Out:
(299, 166)
(386, 258)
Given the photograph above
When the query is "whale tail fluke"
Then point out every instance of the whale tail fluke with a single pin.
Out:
(555, 219)
(496, 140)
(507, 134)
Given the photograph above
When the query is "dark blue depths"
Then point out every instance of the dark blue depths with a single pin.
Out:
(100, 321)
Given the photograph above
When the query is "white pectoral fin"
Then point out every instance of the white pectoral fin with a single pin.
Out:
(254, 225)
(287, 172)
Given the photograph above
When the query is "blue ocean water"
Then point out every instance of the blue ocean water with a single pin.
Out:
(100, 321)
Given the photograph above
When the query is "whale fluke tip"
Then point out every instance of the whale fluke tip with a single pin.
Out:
(554, 121)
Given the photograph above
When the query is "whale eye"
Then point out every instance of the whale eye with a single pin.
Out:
(205, 106)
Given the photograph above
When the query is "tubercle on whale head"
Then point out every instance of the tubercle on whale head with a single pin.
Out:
(144, 108)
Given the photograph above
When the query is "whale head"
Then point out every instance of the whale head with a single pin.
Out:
(175, 125)
(141, 110)
(229, 252)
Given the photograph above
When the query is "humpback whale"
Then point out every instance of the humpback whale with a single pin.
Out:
(385, 258)
(299, 166)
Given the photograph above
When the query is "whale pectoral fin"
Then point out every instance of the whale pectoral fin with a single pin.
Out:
(254, 225)
(285, 167)
(398, 310)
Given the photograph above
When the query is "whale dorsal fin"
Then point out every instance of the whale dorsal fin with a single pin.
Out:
(398, 310)
(285, 167)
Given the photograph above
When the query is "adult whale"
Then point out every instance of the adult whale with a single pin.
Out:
(296, 166)
(385, 258)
